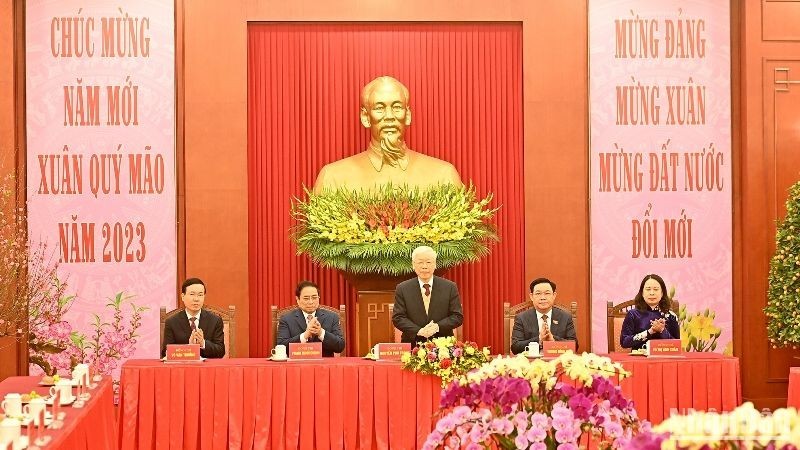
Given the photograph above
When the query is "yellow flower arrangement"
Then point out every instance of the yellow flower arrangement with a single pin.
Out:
(445, 357)
(578, 367)
(375, 231)
(744, 427)
(698, 332)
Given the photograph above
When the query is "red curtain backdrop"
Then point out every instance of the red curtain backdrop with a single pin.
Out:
(304, 81)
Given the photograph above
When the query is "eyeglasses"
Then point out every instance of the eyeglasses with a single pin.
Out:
(313, 297)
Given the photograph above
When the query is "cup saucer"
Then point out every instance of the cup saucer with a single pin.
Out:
(533, 356)
(273, 358)
(64, 401)
(27, 420)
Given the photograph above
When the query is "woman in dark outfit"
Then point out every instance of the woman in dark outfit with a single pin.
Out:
(652, 316)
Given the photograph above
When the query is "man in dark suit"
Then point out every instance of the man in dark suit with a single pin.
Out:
(308, 323)
(195, 325)
(426, 306)
(543, 322)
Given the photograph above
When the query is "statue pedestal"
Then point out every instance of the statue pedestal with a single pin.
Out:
(372, 318)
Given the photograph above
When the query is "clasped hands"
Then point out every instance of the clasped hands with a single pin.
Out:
(657, 326)
(429, 330)
(314, 328)
(545, 334)
(197, 337)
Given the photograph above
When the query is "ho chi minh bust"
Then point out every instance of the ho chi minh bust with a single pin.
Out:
(385, 111)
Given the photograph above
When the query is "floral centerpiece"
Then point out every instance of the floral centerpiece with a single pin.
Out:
(445, 357)
(375, 231)
(514, 403)
(744, 427)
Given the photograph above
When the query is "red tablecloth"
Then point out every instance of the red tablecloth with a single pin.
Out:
(699, 381)
(89, 428)
(258, 404)
(350, 402)
(793, 398)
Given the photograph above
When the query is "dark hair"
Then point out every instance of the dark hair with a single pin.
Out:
(304, 284)
(191, 281)
(540, 281)
(664, 305)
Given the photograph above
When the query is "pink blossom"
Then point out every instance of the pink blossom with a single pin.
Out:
(521, 419)
(501, 426)
(536, 433)
(613, 429)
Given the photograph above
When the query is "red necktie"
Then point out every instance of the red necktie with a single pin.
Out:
(427, 289)
(191, 323)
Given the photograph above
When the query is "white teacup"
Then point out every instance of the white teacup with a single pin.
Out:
(79, 372)
(375, 350)
(65, 386)
(10, 431)
(12, 405)
(533, 349)
(279, 352)
(646, 348)
(33, 408)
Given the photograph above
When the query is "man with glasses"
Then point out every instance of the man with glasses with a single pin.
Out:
(543, 322)
(195, 325)
(309, 323)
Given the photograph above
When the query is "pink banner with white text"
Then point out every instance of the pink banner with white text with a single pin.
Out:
(100, 105)
(660, 149)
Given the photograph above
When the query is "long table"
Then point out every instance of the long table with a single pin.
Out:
(89, 428)
(350, 403)
(700, 381)
(259, 404)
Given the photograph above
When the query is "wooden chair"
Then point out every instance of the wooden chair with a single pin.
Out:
(458, 333)
(616, 315)
(278, 313)
(228, 325)
(510, 312)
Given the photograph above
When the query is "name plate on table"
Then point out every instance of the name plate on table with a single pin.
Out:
(392, 351)
(665, 347)
(554, 349)
(183, 352)
(309, 350)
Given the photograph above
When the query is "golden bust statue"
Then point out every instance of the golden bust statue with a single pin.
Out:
(385, 111)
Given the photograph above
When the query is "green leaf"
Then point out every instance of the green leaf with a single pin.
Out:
(376, 231)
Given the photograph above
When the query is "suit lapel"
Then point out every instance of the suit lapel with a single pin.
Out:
(204, 320)
(184, 324)
(300, 318)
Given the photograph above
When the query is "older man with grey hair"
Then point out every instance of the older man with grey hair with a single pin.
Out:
(426, 306)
